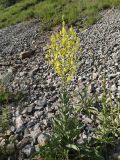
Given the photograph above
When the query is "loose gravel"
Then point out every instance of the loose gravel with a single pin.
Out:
(32, 75)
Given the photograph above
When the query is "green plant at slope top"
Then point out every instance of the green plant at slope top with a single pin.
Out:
(7, 3)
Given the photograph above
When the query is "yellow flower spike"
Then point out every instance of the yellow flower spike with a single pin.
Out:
(62, 53)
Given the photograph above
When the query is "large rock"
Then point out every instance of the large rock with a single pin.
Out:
(28, 150)
(26, 54)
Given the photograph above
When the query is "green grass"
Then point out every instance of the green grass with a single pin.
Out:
(51, 11)
(6, 96)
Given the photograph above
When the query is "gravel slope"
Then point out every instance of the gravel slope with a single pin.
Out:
(17, 38)
(32, 75)
(101, 50)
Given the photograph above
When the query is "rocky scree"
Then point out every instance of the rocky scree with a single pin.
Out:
(23, 48)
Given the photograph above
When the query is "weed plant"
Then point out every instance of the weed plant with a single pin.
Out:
(72, 137)
(6, 96)
(7, 140)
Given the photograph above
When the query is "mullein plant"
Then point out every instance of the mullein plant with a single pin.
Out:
(62, 53)
(108, 131)
(66, 125)
(62, 56)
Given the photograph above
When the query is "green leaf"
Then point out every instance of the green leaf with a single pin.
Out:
(73, 146)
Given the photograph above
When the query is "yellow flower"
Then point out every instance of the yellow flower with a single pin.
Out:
(62, 53)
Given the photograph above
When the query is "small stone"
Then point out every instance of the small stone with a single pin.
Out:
(42, 139)
(25, 141)
(34, 134)
(92, 88)
(12, 128)
(28, 150)
(37, 126)
(111, 76)
(28, 110)
(45, 122)
(50, 115)
(37, 148)
(41, 103)
(52, 88)
(35, 69)
(19, 121)
(49, 81)
(84, 136)
(18, 62)
(53, 99)
(119, 82)
(20, 129)
(26, 132)
(83, 78)
(45, 49)
(30, 124)
(113, 88)
(118, 88)
(87, 120)
(8, 132)
(95, 76)
(22, 74)
(38, 114)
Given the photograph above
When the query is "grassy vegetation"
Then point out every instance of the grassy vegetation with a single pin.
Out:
(7, 138)
(6, 96)
(51, 11)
